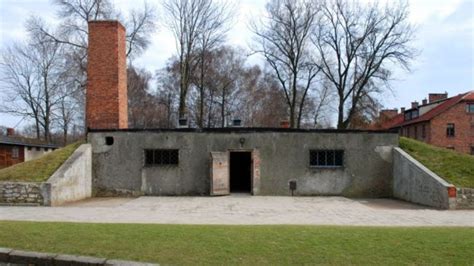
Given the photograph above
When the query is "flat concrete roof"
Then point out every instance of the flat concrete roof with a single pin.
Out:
(244, 130)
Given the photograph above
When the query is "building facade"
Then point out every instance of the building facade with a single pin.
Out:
(15, 149)
(247, 160)
(442, 121)
(185, 161)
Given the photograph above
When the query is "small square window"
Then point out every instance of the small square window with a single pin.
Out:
(161, 157)
(326, 158)
(450, 130)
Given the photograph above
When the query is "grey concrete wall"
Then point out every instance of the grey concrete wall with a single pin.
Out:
(415, 183)
(73, 180)
(367, 171)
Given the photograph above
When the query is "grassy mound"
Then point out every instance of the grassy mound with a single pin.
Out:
(454, 167)
(40, 169)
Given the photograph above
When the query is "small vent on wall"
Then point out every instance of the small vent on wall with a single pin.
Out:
(109, 141)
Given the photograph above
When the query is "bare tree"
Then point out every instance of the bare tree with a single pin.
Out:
(283, 38)
(358, 45)
(66, 115)
(263, 104)
(34, 76)
(212, 34)
(197, 26)
(167, 93)
(144, 107)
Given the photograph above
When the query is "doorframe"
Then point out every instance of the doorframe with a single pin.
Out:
(253, 168)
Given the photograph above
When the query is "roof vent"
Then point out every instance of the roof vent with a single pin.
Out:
(10, 131)
(236, 122)
(183, 123)
(285, 124)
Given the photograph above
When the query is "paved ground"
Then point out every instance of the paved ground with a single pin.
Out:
(244, 209)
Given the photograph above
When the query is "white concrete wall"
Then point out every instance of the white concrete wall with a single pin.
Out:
(73, 180)
(34, 153)
(415, 183)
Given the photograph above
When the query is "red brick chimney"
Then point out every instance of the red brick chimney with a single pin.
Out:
(388, 113)
(106, 98)
(10, 131)
(433, 97)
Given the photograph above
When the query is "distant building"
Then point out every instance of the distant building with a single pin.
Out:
(440, 121)
(15, 149)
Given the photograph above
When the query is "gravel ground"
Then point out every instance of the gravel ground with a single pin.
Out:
(244, 209)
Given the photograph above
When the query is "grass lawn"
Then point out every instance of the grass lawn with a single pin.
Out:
(246, 245)
(40, 169)
(454, 167)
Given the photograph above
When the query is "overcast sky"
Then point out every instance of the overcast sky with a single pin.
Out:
(445, 38)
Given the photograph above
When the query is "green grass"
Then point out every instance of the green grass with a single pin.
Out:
(40, 169)
(246, 245)
(454, 167)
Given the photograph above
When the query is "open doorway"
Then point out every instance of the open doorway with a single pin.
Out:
(240, 172)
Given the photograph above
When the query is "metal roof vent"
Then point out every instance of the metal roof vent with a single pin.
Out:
(183, 123)
(236, 122)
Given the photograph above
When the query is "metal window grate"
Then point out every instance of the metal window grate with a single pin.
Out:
(161, 157)
(326, 158)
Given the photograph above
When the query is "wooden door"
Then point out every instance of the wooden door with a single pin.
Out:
(219, 174)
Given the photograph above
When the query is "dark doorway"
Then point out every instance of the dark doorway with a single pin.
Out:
(240, 172)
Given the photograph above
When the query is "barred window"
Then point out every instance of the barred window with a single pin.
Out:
(161, 157)
(326, 158)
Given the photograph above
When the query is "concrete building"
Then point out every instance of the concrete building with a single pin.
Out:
(15, 149)
(440, 121)
(186, 161)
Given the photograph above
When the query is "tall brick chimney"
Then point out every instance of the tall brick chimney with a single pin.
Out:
(433, 97)
(388, 113)
(106, 98)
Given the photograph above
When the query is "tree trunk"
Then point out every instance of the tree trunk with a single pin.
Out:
(340, 114)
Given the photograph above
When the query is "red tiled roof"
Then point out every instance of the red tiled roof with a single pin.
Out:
(469, 96)
(448, 103)
(392, 122)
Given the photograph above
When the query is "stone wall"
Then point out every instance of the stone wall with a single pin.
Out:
(465, 198)
(71, 182)
(415, 183)
(23, 193)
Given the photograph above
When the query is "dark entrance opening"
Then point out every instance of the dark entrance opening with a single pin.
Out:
(240, 172)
